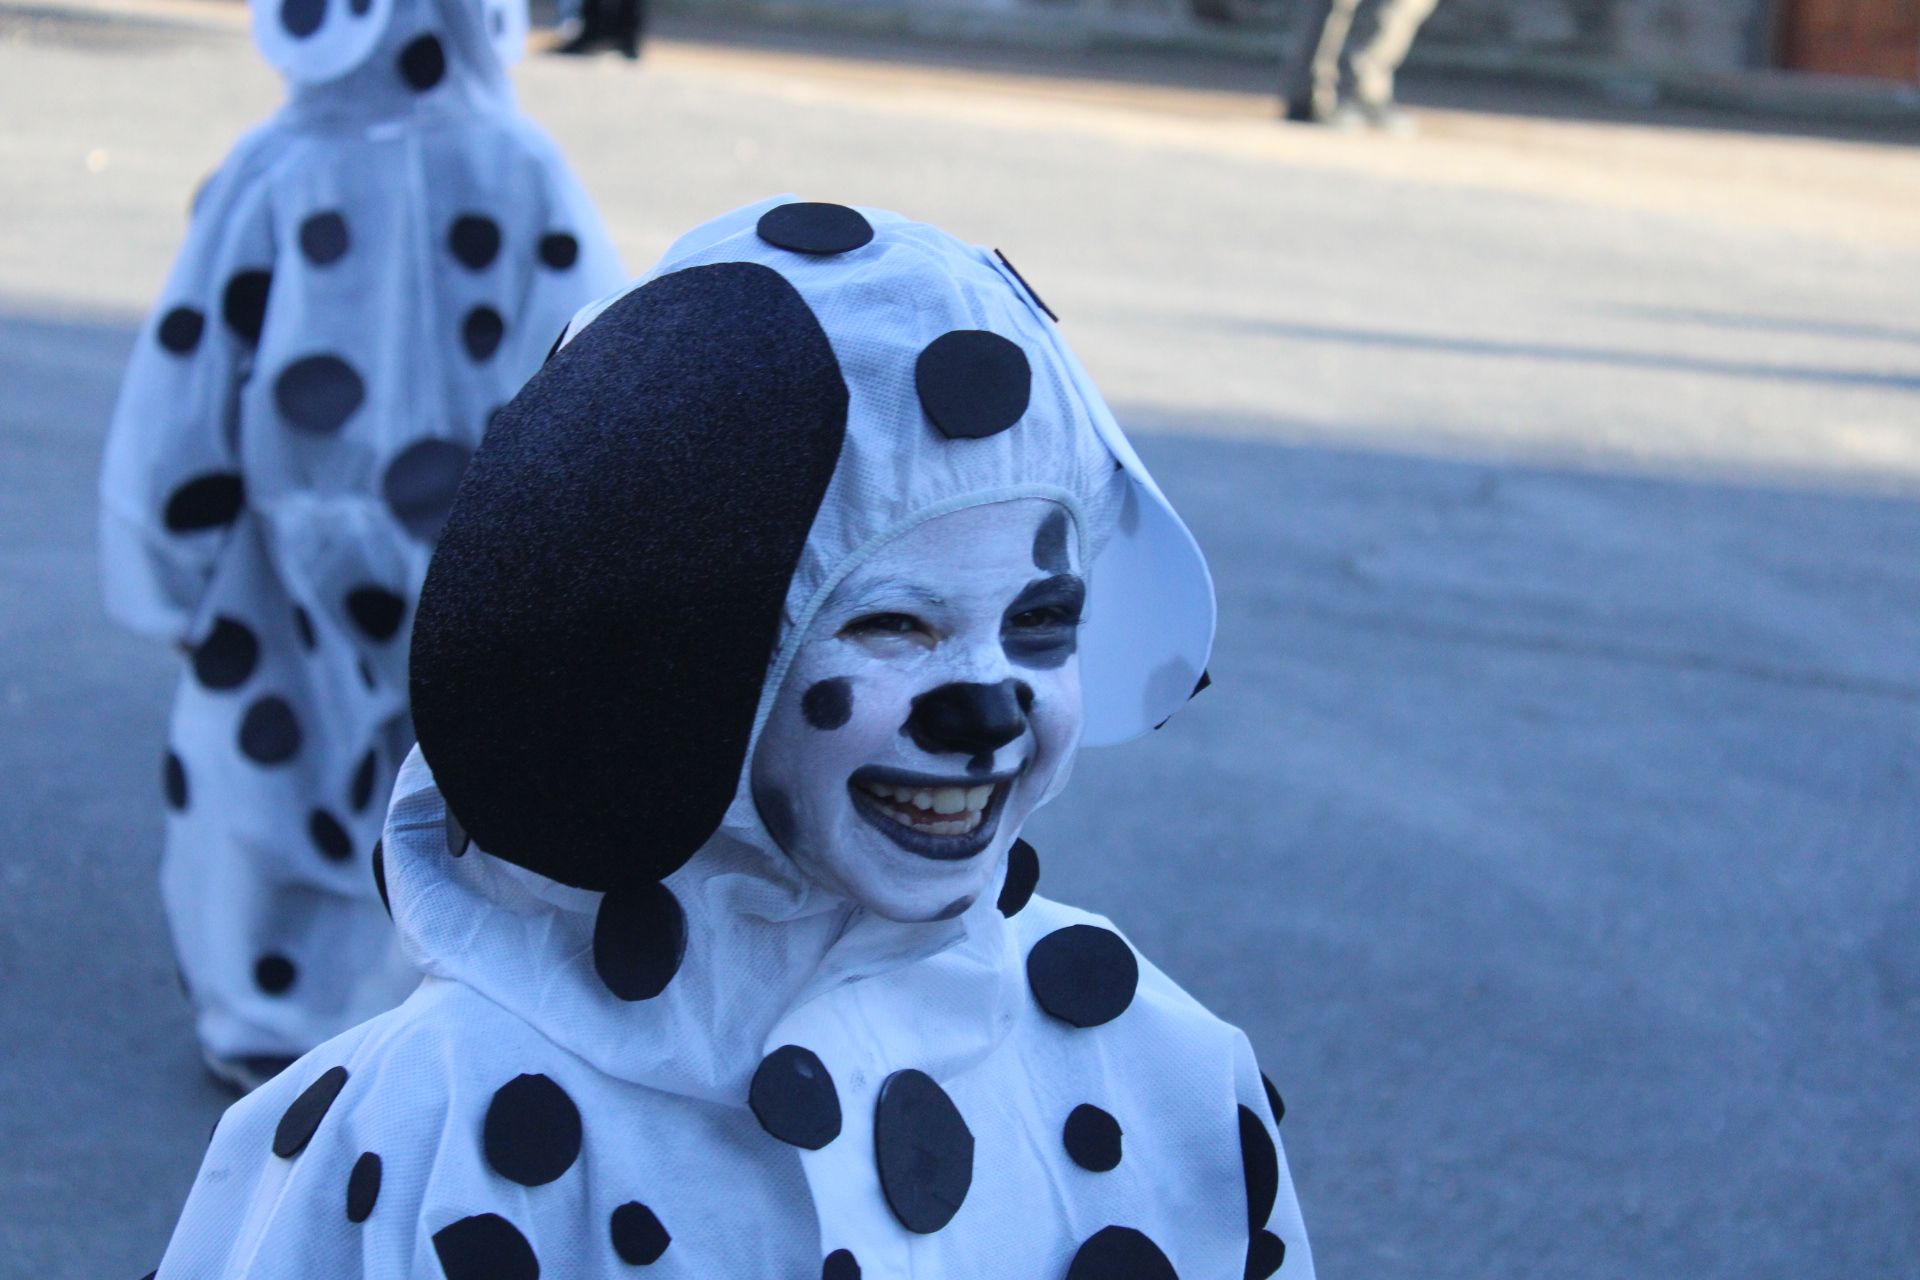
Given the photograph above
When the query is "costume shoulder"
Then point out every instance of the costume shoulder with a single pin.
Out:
(389, 1151)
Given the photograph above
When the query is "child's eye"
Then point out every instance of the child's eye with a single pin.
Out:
(1053, 615)
(883, 624)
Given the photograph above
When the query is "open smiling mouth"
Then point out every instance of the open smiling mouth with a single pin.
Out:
(945, 819)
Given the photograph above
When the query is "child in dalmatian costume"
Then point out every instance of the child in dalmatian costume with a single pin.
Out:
(371, 274)
(770, 610)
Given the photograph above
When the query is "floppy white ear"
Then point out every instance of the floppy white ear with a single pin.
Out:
(506, 22)
(314, 41)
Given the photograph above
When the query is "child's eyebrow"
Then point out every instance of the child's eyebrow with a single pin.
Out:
(880, 593)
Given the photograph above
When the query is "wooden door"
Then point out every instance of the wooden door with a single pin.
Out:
(1879, 38)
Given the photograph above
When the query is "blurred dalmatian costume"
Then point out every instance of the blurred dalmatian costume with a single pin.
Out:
(372, 273)
(647, 1039)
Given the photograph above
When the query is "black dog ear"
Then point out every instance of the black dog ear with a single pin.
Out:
(600, 612)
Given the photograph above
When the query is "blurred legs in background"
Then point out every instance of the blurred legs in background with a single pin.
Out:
(1311, 84)
(608, 24)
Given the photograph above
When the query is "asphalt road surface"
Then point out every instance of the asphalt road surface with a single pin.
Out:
(1552, 823)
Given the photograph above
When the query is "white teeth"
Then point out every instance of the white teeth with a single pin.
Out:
(949, 800)
(977, 797)
(923, 799)
(962, 808)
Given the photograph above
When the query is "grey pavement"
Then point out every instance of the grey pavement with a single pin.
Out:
(1551, 826)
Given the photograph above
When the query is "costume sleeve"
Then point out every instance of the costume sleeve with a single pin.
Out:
(1277, 1237)
(171, 489)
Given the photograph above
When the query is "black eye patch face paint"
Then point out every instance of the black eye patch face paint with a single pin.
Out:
(829, 703)
(1041, 628)
(1050, 543)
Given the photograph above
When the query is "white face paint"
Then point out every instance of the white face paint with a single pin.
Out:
(927, 710)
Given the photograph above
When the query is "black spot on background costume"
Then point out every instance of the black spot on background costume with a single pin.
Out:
(793, 1098)
(376, 611)
(302, 18)
(485, 1247)
(532, 1131)
(328, 836)
(840, 1265)
(811, 227)
(421, 482)
(227, 656)
(180, 330)
(639, 940)
(481, 332)
(973, 383)
(1032, 292)
(173, 781)
(422, 63)
(1266, 1253)
(243, 304)
(828, 704)
(1083, 975)
(1092, 1138)
(303, 628)
(1262, 1166)
(559, 250)
(360, 789)
(323, 238)
(592, 505)
(205, 502)
(1274, 1100)
(274, 974)
(474, 240)
(923, 1150)
(1023, 877)
(1050, 543)
(1120, 1253)
(638, 1236)
(319, 393)
(303, 1115)
(363, 1187)
(380, 875)
(269, 732)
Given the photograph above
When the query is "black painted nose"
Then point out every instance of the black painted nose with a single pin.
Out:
(970, 719)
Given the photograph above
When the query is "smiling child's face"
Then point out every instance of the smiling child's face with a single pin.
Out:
(927, 710)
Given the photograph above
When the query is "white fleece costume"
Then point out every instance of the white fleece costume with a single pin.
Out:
(647, 1038)
(372, 273)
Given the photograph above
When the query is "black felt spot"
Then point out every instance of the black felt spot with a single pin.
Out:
(923, 1150)
(1274, 1101)
(1261, 1164)
(380, 875)
(638, 1237)
(173, 782)
(1083, 975)
(840, 1265)
(363, 1187)
(377, 611)
(532, 1131)
(593, 505)
(485, 1247)
(793, 1098)
(303, 628)
(269, 731)
(972, 383)
(828, 704)
(360, 787)
(243, 303)
(180, 330)
(474, 240)
(328, 836)
(456, 835)
(323, 238)
(227, 656)
(1050, 543)
(303, 1115)
(422, 63)
(639, 940)
(273, 974)
(319, 393)
(481, 332)
(811, 227)
(1266, 1253)
(1092, 1138)
(1023, 877)
(1120, 1253)
(421, 482)
(559, 250)
(205, 502)
(1033, 293)
(302, 18)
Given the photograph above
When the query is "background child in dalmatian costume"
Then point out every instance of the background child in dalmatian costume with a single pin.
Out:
(372, 273)
(770, 610)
